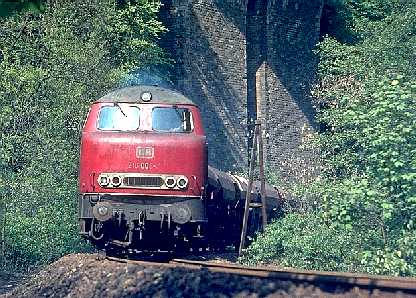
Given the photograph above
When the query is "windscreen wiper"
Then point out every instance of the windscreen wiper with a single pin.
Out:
(116, 104)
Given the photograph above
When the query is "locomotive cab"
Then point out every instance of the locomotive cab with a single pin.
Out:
(143, 170)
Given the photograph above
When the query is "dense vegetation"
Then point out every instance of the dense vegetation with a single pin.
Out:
(55, 59)
(363, 218)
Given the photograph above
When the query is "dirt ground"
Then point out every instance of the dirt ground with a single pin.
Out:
(83, 275)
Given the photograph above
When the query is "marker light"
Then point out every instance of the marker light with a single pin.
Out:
(182, 182)
(146, 96)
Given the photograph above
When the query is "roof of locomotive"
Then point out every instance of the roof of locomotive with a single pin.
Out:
(159, 95)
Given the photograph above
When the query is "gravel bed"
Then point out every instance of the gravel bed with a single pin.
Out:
(216, 257)
(83, 275)
(10, 280)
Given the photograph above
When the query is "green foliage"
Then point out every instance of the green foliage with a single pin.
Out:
(371, 9)
(367, 99)
(368, 94)
(10, 7)
(304, 241)
(54, 63)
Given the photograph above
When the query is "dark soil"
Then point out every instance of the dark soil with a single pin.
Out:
(82, 275)
(8, 281)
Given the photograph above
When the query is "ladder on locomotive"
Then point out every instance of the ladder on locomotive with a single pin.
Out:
(257, 142)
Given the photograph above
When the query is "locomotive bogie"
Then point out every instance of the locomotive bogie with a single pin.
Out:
(171, 210)
(117, 217)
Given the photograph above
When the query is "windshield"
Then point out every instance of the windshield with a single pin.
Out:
(119, 117)
(171, 119)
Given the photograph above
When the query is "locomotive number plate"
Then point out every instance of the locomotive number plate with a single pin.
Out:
(141, 165)
(145, 152)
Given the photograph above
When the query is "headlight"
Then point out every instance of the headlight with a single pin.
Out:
(103, 180)
(170, 182)
(182, 182)
(146, 96)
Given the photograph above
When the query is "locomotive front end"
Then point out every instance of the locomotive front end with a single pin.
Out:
(143, 170)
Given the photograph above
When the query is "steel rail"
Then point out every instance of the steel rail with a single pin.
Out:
(390, 283)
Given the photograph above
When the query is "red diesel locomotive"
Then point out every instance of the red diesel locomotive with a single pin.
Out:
(143, 178)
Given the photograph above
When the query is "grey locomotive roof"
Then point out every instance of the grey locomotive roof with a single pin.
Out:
(133, 95)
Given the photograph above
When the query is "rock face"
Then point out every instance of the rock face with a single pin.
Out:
(240, 60)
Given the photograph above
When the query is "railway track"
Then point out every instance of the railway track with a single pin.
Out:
(383, 286)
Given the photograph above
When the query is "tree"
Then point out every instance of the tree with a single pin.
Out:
(54, 63)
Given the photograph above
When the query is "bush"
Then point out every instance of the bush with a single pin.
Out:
(305, 241)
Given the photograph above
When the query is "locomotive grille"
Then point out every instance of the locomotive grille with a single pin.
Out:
(143, 181)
